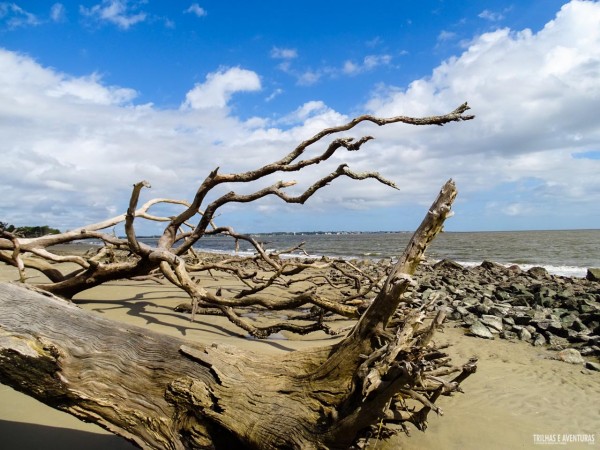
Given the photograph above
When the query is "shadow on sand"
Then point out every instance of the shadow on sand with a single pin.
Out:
(27, 436)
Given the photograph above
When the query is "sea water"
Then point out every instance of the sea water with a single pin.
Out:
(564, 252)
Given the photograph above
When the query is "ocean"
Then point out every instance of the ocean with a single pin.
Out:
(565, 252)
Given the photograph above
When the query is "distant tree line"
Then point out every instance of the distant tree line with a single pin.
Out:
(28, 232)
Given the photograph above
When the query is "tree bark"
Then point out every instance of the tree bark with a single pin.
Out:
(164, 392)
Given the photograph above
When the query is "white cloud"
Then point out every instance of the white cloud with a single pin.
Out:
(90, 90)
(536, 97)
(16, 17)
(72, 146)
(284, 53)
(446, 36)
(57, 12)
(309, 77)
(276, 93)
(490, 15)
(219, 86)
(117, 12)
(369, 62)
(196, 9)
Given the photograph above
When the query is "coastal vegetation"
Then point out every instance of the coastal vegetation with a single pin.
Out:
(28, 231)
(383, 373)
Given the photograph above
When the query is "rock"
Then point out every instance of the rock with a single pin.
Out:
(463, 311)
(522, 319)
(470, 301)
(499, 311)
(508, 321)
(557, 329)
(524, 335)
(469, 319)
(448, 264)
(555, 342)
(481, 309)
(502, 295)
(545, 296)
(456, 291)
(568, 320)
(587, 351)
(480, 330)
(592, 366)
(566, 294)
(578, 326)
(530, 328)
(584, 308)
(518, 288)
(538, 272)
(593, 274)
(523, 300)
(575, 337)
(492, 322)
(571, 356)
(492, 266)
(455, 315)
(541, 325)
(508, 335)
(539, 340)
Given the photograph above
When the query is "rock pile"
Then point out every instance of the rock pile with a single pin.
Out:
(533, 306)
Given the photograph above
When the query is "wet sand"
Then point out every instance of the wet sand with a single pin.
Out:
(517, 392)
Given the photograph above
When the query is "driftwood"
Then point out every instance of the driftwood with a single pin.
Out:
(167, 393)
(174, 260)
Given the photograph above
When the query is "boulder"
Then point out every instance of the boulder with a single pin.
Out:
(522, 319)
(558, 329)
(593, 274)
(578, 326)
(448, 264)
(539, 340)
(508, 335)
(571, 356)
(492, 266)
(499, 311)
(524, 335)
(592, 366)
(492, 322)
(480, 330)
(538, 272)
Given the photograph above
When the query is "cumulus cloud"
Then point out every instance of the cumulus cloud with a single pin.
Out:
(535, 96)
(219, 86)
(89, 89)
(118, 12)
(196, 9)
(72, 146)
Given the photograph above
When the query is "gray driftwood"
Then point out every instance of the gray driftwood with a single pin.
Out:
(173, 259)
(163, 392)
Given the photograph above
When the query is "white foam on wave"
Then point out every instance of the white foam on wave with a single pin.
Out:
(565, 271)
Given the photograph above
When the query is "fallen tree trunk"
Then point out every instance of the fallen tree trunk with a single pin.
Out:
(168, 393)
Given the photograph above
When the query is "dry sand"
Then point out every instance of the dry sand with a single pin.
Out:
(517, 392)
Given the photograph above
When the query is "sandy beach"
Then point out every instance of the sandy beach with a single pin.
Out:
(518, 399)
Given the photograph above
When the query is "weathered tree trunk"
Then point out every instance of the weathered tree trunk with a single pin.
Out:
(168, 393)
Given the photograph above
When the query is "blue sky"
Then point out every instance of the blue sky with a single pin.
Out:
(96, 95)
